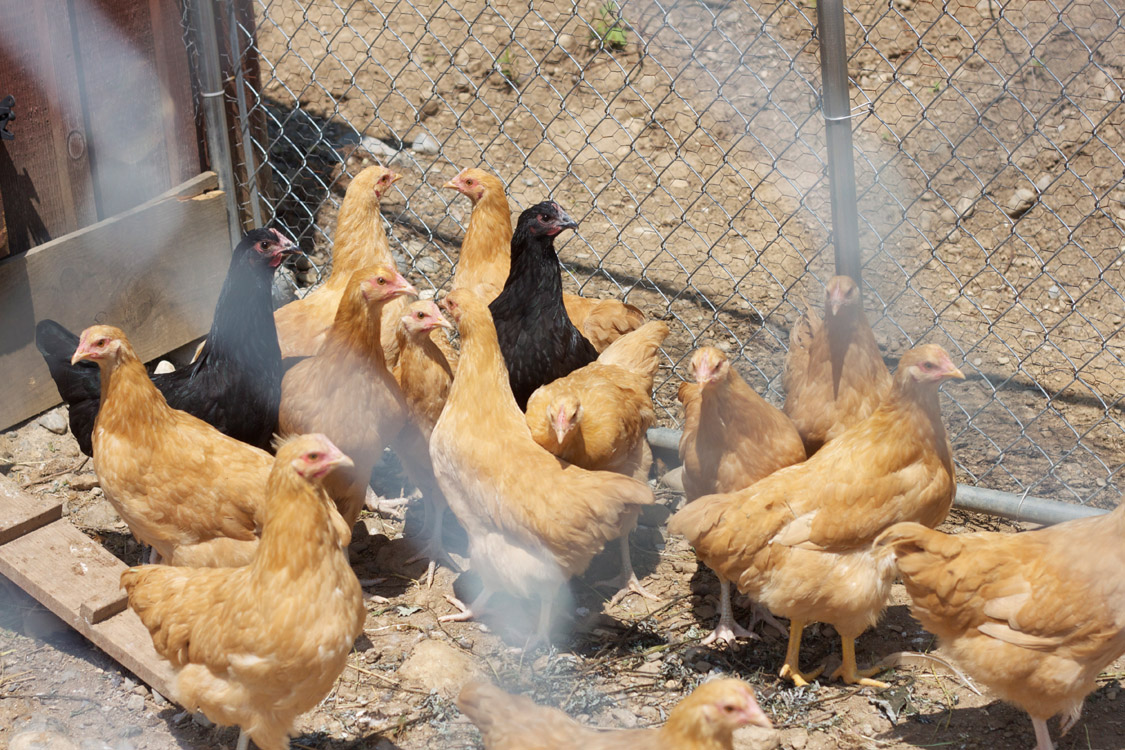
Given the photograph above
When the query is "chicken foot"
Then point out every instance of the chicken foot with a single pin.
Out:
(434, 548)
(791, 668)
(727, 630)
(626, 581)
(849, 673)
(470, 611)
(243, 740)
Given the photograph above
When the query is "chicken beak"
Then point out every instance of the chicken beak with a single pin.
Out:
(393, 177)
(454, 184)
(401, 286)
(340, 461)
(755, 716)
(443, 322)
(80, 353)
(954, 372)
(565, 222)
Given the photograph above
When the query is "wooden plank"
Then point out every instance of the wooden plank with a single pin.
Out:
(137, 97)
(77, 579)
(155, 271)
(21, 513)
(45, 176)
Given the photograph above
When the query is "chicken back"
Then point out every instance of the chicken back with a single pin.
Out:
(1034, 616)
(258, 645)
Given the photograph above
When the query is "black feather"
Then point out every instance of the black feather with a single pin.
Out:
(539, 342)
(235, 384)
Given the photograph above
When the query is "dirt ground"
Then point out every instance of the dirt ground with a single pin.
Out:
(618, 666)
(694, 164)
(990, 194)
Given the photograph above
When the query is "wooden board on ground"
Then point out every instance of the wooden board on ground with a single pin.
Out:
(77, 579)
(154, 271)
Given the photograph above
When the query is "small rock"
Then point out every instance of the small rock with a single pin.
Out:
(99, 516)
(54, 422)
(159, 699)
(44, 740)
(433, 665)
(650, 668)
(623, 717)
(705, 611)
(674, 479)
(377, 148)
(140, 690)
(798, 739)
(424, 143)
(757, 738)
(84, 482)
(427, 265)
(1019, 202)
(163, 367)
(135, 702)
(130, 730)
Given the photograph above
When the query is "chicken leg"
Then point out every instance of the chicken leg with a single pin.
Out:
(1042, 734)
(626, 580)
(727, 630)
(243, 740)
(848, 671)
(791, 667)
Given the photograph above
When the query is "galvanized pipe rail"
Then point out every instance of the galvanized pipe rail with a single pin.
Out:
(993, 502)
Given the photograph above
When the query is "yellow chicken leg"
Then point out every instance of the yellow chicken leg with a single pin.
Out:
(791, 667)
(848, 671)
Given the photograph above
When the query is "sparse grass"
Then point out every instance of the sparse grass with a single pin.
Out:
(609, 27)
(507, 64)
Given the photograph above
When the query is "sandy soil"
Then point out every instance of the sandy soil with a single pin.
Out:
(694, 165)
(610, 666)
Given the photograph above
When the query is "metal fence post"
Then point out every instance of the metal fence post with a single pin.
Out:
(836, 107)
(212, 93)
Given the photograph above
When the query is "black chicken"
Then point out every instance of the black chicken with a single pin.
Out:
(234, 384)
(539, 342)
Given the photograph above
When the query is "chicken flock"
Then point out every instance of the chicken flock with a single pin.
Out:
(246, 471)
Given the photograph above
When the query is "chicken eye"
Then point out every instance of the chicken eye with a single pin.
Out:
(927, 366)
(469, 182)
(314, 456)
(381, 280)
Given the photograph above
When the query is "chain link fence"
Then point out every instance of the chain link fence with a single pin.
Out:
(686, 138)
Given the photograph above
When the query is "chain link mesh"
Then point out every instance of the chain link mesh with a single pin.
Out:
(686, 138)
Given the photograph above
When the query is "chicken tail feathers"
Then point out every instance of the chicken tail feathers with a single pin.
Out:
(696, 519)
(153, 592)
(638, 351)
(907, 538)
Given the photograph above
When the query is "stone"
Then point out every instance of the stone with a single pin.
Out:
(53, 421)
(41, 740)
(1019, 202)
(424, 143)
(159, 699)
(377, 148)
(99, 516)
(163, 367)
(84, 482)
(756, 738)
(674, 479)
(797, 739)
(623, 717)
(135, 702)
(436, 666)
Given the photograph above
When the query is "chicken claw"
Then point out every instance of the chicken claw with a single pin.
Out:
(791, 667)
(468, 612)
(727, 630)
(799, 678)
(848, 671)
(626, 581)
